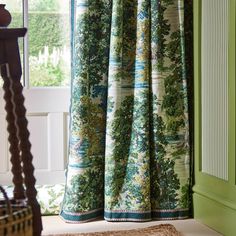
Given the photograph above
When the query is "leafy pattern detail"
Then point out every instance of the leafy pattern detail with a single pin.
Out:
(129, 136)
(49, 197)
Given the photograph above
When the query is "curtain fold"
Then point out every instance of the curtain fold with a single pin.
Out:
(129, 135)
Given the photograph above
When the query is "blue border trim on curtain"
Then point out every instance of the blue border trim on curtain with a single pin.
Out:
(126, 216)
(170, 214)
(81, 217)
(130, 216)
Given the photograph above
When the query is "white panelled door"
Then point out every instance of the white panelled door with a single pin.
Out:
(47, 113)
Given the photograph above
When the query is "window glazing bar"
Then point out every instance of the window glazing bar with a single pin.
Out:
(26, 44)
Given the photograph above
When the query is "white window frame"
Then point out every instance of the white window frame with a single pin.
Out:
(25, 62)
(26, 45)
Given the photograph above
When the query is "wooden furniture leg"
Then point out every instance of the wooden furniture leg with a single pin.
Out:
(20, 146)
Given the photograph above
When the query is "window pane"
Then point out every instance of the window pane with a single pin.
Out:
(49, 43)
(16, 9)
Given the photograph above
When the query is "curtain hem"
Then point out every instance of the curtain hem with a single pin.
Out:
(72, 217)
(135, 216)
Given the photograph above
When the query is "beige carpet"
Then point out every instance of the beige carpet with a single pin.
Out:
(157, 230)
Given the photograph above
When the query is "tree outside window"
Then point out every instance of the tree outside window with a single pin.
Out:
(48, 42)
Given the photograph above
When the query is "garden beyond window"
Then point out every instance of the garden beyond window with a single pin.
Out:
(46, 49)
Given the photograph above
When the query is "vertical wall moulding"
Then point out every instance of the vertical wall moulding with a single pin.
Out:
(214, 87)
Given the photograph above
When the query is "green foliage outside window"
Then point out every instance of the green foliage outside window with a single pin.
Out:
(44, 5)
(47, 34)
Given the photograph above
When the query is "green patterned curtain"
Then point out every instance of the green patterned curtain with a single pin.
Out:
(129, 136)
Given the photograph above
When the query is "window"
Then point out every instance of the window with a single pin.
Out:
(45, 50)
(45, 57)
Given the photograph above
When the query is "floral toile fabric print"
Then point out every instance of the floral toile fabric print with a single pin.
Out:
(129, 136)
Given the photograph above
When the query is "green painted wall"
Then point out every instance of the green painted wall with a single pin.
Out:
(215, 199)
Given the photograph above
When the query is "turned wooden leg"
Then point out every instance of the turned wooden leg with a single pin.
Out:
(17, 123)
(13, 139)
(26, 156)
